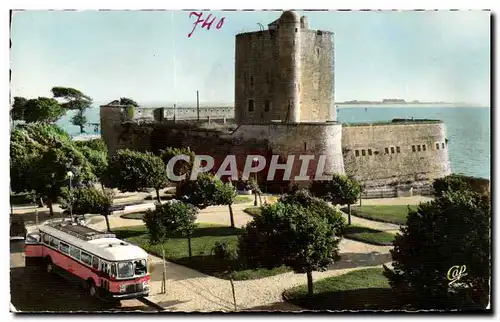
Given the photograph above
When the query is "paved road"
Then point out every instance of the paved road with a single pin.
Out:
(33, 290)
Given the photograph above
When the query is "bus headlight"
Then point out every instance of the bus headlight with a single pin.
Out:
(145, 285)
(122, 288)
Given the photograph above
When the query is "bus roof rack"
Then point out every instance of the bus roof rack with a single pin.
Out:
(80, 231)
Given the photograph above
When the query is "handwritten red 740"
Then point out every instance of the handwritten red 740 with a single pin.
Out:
(205, 23)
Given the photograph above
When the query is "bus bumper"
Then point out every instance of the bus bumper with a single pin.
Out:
(124, 296)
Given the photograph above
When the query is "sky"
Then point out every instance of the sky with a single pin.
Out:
(148, 56)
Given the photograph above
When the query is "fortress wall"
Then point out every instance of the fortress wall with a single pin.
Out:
(300, 139)
(382, 168)
(317, 81)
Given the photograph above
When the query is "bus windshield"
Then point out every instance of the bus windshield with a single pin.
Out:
(131, 269)
(125, 269)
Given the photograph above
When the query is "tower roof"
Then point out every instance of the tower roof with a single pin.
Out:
(290, 16)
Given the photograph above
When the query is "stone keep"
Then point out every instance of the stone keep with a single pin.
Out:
(284, 73)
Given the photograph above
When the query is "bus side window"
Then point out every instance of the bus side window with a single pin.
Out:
(86, 258)
(113, 270)
(46, 239)
(95, 262)
(54, 242)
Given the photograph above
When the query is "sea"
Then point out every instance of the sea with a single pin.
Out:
(468, 129)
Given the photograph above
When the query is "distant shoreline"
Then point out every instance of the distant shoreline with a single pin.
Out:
(404, 105)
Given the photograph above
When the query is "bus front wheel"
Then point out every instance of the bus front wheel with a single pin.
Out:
(92, 289)
(49, 266)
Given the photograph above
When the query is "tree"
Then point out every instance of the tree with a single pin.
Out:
(74, 100)
(340, 190)
(169, 219)
(292, 235)
(98, 160)
(304, 198)
(87, 200)
(52, 169)
(42, 109)
(451, 182)
(18, 108)
(94, 144)
(41, 155)
(181, 167)
(134, 171)
(453, 229)
(201, 193)
(128, 102)
(226, 194)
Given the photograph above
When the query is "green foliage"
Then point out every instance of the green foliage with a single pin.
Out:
(41, 155)
(292, 235)
(170, 219)
(181, 167)
(226, 193)
(454, 182)
(133, 171)
(128, 101)
(74, 100)
(79, 120)
(202, 193)
(94, 144)
(131, 111)
(153, 220)
(222, 251)
(98, 160)
(86, 200)
(68, 93)
(18, 108)
(453, 229)
(304, 198)
(340, 190)
(41, 109)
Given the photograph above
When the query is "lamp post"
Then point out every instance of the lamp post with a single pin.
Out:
(70, 176)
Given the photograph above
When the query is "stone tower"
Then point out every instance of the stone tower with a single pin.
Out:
(284, 73)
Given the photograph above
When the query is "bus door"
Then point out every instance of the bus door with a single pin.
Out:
(33, 249)
(104, 276)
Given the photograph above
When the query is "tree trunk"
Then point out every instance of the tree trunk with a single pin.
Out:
(51, 209)
(232, 290)
(255, 200)
(310, 283)
(349, 213)
(189, 247)
(231, 215)
(158, 195)
(40, 203)
(82, 128)
(107, 222)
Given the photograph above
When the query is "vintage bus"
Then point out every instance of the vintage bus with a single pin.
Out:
(106, 266)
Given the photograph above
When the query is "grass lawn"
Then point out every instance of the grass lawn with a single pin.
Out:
(242, 199)
(135, 215)
(365, 289)
(204, 238)
(253, 211)
(368, 235)
(395, 214)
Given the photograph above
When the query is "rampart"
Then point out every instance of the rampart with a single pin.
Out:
(392, 153)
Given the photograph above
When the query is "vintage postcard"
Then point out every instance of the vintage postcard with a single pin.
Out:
(250, 160)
